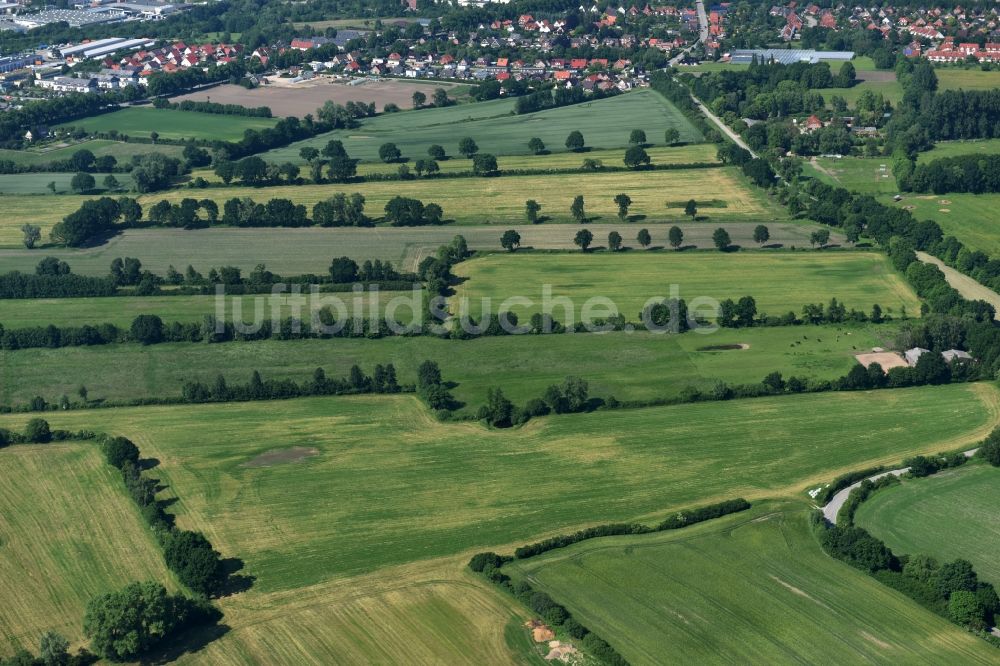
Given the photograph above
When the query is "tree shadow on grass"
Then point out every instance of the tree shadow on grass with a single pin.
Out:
(189, 642)
(772, 246)
(235, 582)
(635, 218)
(146, 464)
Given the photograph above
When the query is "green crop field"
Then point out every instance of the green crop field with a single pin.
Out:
(297, 251)
(950, 515)
(779, 282)
(637, 366)
(749, 588)
(971, 218)
(68, 532)
(120, 150)
(956, 148)
(172, 124)
(389, 484)
(38, 183)
(858, 174)
(43, 211)
(497, 130)
(953, 78)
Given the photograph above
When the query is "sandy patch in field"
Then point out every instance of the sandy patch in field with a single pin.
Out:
(297, 99)
(540, 632)
(281, 457)
(869, 637)
(885, 359)
(561, 652)
(944, 210)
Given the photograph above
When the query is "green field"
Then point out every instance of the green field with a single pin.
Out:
(858, 174)
(297, 251)
(638, 366)
(172, 124)
(38, 183)
(52, 152)
(390, 485)
(890, 90)
(779, 282)
(953, 78)
(949, 515)
(749, 588)
(972, 218)
(497, 130)
(68, 532)
(956, 148)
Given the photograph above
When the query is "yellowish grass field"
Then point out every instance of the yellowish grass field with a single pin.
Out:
(68, 533)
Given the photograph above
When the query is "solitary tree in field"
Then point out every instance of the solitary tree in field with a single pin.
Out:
(721, 239)
(308, 153)
(614, 241)
(82, 182)
(644, 238)
(691, 208)
(110, 182)
(576, 209)
(583, 239)
(761, 235)
(388, 152)
(436, 152)
(675, 236)
(153, 136)
(623, 201)
(468, 147)
(635, 157)
(574, 141)
(536, 145)
(671, 136)
(419, 99)
(32, 234)
(637, 137)
(510, 240)
(484, 164)
(819, 237)
(531, 209)
(52, 186)
(441, 97)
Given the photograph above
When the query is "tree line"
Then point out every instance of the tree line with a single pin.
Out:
(383, 380)
(214, 108)
(964, 173)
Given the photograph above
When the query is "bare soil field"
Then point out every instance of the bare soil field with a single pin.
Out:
(887, 360)
(297, 99)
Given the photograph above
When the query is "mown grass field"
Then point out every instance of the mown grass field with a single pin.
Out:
(956, 148)
(779, 282)
(172, 124)
(950, 515)
(22, 313)
(689, 154)
(68, 532)
(54, 152)
(472, 201)
(501, 200)
(497, 130)
(297, 251)
(953, 78)
(391, 485)
(890, 90)
(638, 366)
(748, 588)
(38, 183)
(972, 218)
(858, 174)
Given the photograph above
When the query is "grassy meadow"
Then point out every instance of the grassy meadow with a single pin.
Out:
(171, 124)
(297, 251)
(501, 200)
(779, 282)
(954, 78)
(38, 183)
(637, 366)
(890, 90)
(121, 151)
(497, 130)
(389, 484)
(69, 533)
(956, 148)
(754, 587)
(949, 515)
(972, 218)
(858, 174)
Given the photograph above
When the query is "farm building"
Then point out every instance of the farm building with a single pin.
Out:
(913, 355)
(953, 354)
